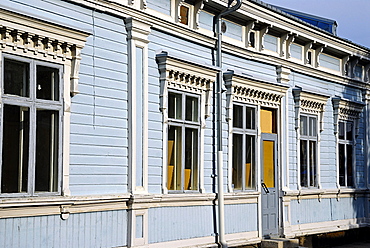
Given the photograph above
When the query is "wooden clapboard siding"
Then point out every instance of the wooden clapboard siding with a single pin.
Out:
(58, 11)
(163, 6)
(95, 229)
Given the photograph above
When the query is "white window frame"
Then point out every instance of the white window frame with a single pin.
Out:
(308, 102)
(178, 74)
(247, 90)
(244, 131)
(346, 111)
(346, 142)
(33, 104)
(49, 44)
(309, 135)
(183, 124)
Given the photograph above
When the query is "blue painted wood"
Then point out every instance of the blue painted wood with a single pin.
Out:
(206, 20)
(168, 223)
(236, 219)
(296, 51)
(330, 210)
(233, 30)
(329, 62)
(163, 6)
(270, 43)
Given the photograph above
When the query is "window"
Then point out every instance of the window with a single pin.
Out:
(296, 51)
(271, 43)
(346, 149)
(183, 142)
(329, 62)
(31, 126)
(244, 146)
(184, 15)
(308, 150)
(309, 57)
(252, 39)
(358, 71)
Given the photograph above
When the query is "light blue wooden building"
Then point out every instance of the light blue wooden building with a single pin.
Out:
(108, 125)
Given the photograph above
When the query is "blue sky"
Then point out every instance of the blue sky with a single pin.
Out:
(352, 16)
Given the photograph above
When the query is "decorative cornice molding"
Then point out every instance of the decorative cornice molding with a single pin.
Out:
(33, 37)
(346, 110)
(252, 90)
(308, 102)
(183, 74)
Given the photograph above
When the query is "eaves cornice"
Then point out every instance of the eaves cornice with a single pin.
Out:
(253, 10)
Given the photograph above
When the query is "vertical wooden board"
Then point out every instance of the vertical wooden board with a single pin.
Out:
(167, 223)
(9, 232)
(3, 233)
(236, 219)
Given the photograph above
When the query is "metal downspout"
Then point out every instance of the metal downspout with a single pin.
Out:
(220, 188)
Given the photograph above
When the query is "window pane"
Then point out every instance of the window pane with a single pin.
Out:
(312, 126)
(184, 14)
(303, 125)
(249, 162)
(268, 163)
(349, 131)
(349, 166)
(16, 78)
(341, 130)
(250, 118)
(312, 163)
(46, 171)
(238, 116)
(237, 172)
(174, 106)
(47, 83)
(191, 159)
(191, 111)
(15, 149)
(342, 165)
(174, 158)
(268, 121)
(252, 40)
(303, 163)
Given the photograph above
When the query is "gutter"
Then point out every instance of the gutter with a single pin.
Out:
(218, 91)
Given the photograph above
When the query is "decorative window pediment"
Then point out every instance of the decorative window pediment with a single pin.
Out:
(346, 110)
(26, 36)
(247, 89)
(309, 102)
(181, 74)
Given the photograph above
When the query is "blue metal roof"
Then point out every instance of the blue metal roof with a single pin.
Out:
(320, 22)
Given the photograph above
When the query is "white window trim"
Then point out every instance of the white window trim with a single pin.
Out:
(133, 241)
(52, 43)
(312, 104)
(244, 132)
(253, 92)
(346, 110)
(32, 103)
(180, 74)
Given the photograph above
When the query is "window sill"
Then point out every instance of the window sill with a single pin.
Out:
(322, 192)
(55, 205)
